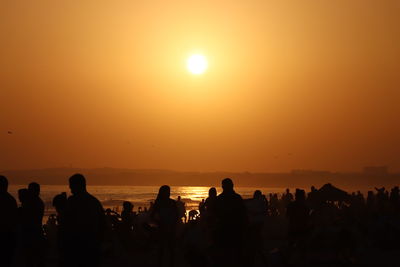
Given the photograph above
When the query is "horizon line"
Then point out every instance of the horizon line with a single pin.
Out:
(292, 171)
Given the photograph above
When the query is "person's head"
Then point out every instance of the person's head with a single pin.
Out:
(128, 206)
(179, 198)
(60, 202)
(77, 183)
(257, 194)
(23, 195)
(212, 192)
(3, 184)
(34, 189)
(164, 192)
(287, 190)
(313, 189)
(108, 212)
(300, 195)
(227, 185)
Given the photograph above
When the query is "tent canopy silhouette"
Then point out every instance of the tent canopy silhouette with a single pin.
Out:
(329, 192)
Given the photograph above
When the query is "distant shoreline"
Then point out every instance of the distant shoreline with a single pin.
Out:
(140, 177)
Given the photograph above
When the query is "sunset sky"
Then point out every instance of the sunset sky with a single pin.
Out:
(290, 84)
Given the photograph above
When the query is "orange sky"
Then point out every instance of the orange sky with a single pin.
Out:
(290, 84)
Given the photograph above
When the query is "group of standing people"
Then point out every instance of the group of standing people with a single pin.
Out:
(229, 229)
(224, 216)
(22, 224)
(81, 225)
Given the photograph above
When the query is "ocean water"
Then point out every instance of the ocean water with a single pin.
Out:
(113, 196)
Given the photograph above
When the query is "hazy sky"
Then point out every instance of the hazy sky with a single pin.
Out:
(290, 84)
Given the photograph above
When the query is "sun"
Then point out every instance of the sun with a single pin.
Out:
(197, 64)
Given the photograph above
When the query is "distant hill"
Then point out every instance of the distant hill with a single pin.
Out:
(115, 176)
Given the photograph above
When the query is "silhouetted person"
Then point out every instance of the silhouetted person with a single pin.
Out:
(24, 225)
(256, 210)
(298, 214)
(210, 202)
(127, 215)
(31, 215)
(201, 207)
(193, 215)
(312, 198)
(37, 208)
(287, 197)
(210, 206)
(60, 204)
(112, 219)
(208, 214)
(165, 213)
(8, 219)
(181, 209)
(126, 225)
(370, 201)
(231, 221)
(273, 205)
(85, 225)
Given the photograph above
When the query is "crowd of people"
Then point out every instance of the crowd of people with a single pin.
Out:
(323, 226)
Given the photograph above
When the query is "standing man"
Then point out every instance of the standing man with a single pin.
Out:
(231, 220)
(8, 208)
(298, 214)
(85, 225)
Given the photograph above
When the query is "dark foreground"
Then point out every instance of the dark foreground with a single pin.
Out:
(324, 227)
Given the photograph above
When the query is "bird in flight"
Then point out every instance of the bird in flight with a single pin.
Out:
(9, 132)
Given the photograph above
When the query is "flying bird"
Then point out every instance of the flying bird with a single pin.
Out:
(9, 132)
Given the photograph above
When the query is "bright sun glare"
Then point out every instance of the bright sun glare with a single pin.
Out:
(197, 64)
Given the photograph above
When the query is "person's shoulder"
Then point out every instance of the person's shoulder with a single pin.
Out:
(173, 204)
(8, 197)
(237, 196)
(88, 195)
(71, 198)
(71, 201)
(93, 198)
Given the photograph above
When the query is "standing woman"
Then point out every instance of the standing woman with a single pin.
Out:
(165, 214)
